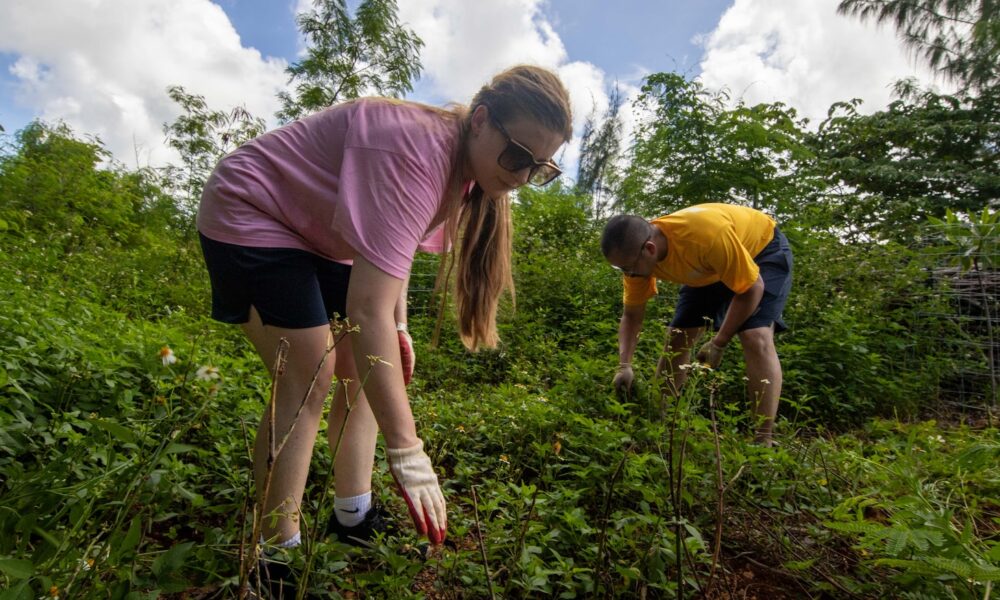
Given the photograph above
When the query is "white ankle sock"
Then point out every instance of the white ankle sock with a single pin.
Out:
(291, 542)
(351, 511)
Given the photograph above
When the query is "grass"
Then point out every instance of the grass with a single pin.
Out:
(124, 477)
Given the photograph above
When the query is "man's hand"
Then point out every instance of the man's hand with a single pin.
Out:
(406, 354)
(710, 354)
(624, 378)
(412, 470)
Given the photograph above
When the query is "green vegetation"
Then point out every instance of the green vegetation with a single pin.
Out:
(126, 475)
(126, 414)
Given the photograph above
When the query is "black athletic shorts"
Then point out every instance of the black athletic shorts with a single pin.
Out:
(290, 288)
(698, 304)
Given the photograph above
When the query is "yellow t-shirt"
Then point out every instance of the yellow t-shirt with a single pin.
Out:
(707, 243)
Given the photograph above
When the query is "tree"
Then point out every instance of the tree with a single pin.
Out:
(927, 153)
(369, 54)
(960, 38)
(71, 194)
(599, 149)
(691, 149)
(202, 136)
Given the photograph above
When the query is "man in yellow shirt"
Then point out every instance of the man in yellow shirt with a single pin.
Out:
(735, 269)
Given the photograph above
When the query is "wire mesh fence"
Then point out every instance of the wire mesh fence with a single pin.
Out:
(964, 284)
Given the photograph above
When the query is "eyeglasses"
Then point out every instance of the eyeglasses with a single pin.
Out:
(630, 272)
(517, 157)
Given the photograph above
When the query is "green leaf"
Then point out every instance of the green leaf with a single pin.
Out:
(958, 567)
(897, 542)
(985, 573)
(179, 448)
(912, 567)
(17, 568)
(18, 592)
(853, 526)
(800, 565)
(131, 538)
(115, 429)
(933, 536)
(172, 559)
(994, 553)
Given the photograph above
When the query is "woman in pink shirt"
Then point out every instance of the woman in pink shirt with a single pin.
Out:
(322, 217)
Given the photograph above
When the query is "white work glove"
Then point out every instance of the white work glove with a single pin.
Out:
(412, 470)
(710, 354)
(406, 355)
(624, 378)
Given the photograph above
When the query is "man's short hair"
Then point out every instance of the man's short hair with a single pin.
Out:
(624, 233)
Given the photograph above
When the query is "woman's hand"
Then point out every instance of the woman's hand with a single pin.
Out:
(412, 470)
(407, 357)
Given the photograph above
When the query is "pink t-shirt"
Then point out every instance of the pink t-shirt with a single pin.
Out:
(368, 177)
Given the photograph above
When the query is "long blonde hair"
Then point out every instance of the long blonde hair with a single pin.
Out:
(484, 253)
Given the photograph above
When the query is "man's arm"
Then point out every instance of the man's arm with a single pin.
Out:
(739, 311)
(628, 331)
(628, 338)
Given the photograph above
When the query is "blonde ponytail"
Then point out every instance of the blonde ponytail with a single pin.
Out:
(484, 267)
(486, 246)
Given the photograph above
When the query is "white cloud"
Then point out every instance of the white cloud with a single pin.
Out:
(805, 55)
(103, 66)
(466, 43)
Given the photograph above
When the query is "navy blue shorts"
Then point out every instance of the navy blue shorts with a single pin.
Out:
(290, 288)
(697, 304)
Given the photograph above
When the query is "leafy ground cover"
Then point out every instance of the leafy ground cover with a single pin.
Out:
(126, 420)
(126, 471)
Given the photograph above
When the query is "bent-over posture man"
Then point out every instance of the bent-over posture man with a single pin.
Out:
(735, 268)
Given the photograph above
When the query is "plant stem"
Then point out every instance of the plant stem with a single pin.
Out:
(277, 368)
(720, 493)
(607, 505)
(482, 545)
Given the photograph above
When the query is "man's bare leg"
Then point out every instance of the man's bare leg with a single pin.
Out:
(764, 374)
(676, 352)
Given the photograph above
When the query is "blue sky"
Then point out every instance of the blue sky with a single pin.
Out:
(103, 66)
(654, 34)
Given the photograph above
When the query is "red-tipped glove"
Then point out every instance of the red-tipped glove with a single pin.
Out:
(412, 470)
(406, 355)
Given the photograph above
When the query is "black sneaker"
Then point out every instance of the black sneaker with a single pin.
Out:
(377, 521)
(272, 580)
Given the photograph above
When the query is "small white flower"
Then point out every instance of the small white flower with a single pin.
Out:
(167, 356)
(207, 373)
(936, 438)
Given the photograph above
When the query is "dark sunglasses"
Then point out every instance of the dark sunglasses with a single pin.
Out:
(630, 272)
(517, 157)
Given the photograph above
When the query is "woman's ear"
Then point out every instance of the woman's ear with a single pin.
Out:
(479, 118)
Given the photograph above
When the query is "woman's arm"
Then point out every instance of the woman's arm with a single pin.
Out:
(372, 299)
